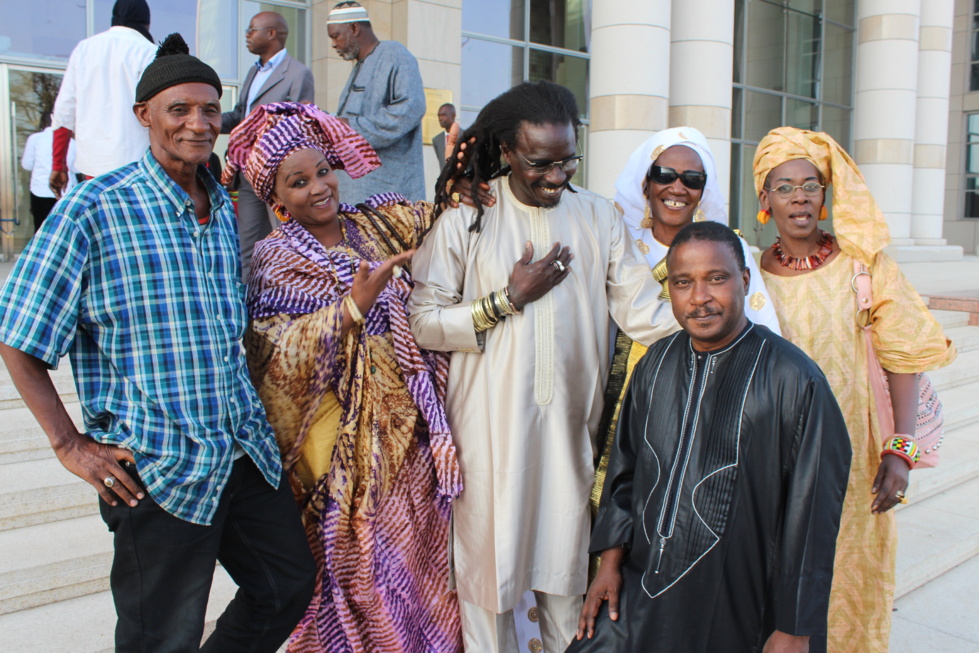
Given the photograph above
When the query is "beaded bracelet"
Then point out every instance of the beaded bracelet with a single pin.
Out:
(902, 445)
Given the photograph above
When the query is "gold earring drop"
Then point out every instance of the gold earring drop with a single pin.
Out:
(647, 220)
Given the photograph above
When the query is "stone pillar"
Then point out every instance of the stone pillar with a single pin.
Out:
(701, 74)
(629, 83)
(432, 32)
(884, 105)
(931, 121)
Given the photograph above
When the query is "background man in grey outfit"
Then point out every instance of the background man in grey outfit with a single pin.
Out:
(275, 77)
(384, 101)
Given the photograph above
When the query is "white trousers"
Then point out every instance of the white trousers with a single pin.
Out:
(485, 631)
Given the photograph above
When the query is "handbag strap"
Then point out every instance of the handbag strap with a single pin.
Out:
(862, 284)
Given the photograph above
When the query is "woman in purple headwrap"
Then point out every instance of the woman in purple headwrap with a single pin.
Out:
(356, 406)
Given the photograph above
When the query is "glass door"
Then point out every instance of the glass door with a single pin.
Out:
(29, 95)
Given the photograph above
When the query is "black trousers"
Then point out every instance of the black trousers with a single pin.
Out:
(40, 208)
(163, 568)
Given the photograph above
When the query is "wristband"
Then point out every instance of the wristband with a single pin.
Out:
(904, 446)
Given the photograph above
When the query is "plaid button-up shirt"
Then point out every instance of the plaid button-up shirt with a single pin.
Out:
(148, 305)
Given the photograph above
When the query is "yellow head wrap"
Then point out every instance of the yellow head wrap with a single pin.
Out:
(857, 220)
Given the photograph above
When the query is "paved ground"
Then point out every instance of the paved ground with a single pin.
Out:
(940, 617)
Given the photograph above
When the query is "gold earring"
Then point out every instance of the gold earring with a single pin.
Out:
(647, 221)
(699, 215)
(281, 213)
(823, 214)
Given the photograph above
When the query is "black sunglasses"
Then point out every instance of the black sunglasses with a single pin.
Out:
(690, 178)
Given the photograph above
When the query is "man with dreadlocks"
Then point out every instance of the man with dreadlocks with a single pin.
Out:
(521, 294)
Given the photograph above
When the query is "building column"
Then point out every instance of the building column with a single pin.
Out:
(702, 74)
(629, 77)
(931, 121)
(884, 106)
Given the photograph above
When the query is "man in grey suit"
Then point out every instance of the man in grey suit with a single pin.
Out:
(275, 77)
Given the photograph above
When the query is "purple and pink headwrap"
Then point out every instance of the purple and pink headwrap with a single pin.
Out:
(272, 132)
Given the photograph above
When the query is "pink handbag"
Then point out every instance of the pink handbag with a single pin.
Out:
(930, 428)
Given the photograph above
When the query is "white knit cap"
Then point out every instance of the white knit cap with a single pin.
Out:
(349, 14)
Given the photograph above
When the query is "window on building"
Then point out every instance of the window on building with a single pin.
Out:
(972, 165)
(44, 30)
(506, 42)
(793, 65)
(974, 66)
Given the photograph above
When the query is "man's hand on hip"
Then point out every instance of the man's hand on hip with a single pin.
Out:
(99, 465)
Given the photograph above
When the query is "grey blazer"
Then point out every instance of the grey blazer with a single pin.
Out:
(438, 142)
(291, 81)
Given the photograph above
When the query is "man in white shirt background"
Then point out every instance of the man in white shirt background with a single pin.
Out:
(95, 101)
(275, 77)
(37, 159)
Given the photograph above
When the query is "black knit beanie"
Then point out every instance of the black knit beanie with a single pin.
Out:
(174, 65)
(134, 14)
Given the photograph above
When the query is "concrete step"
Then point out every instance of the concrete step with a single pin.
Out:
(42, 491)
(63, 381)
(936, 535)
(959, 463)
(963, 371)
(53, 562)
(21, 437)
(85, 624)
(940, 616)
(951, 319)
(966, 338)
(961, 405)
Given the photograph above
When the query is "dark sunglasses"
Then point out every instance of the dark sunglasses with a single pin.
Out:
(690, 178)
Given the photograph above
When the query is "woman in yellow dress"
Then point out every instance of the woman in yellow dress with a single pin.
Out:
(808, 274)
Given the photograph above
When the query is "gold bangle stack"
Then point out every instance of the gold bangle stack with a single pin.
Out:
(484, 318)
(353, 309)
(489, 310)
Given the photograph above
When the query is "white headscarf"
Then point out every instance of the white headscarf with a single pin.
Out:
(628, 187)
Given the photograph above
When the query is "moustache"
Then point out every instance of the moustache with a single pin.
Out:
(701, 314)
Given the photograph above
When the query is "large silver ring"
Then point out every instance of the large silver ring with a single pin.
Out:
(559, 265)
(109, 481)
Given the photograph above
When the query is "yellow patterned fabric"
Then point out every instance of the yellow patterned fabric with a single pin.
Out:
(817, 312)
(858, 223)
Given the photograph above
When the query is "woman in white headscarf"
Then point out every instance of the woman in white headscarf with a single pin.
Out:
(669, 181)
(657, 202)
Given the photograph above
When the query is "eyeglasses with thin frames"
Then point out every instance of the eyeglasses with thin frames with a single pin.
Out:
(542, 168)
(255, 29)
(810, 188)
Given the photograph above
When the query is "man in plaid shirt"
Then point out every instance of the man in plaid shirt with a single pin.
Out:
(135, 277)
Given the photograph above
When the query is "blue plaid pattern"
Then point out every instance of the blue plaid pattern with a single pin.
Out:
(148, 305)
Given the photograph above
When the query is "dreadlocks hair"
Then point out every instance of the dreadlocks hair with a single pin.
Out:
(534, 103)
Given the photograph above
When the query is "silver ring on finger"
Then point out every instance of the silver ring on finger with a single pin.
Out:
(559, 265)
(108, 481)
